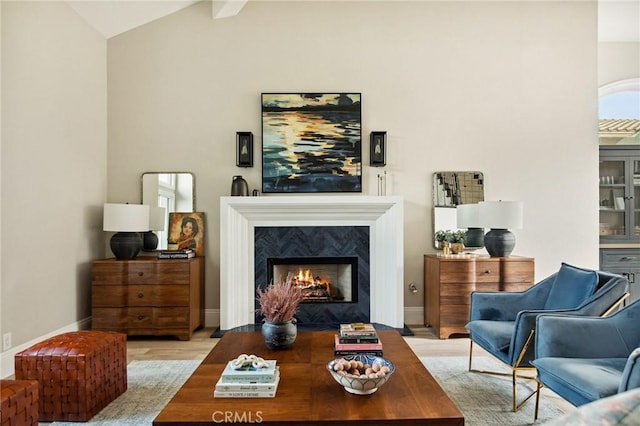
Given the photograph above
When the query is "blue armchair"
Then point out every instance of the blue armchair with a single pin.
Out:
(583, 359)
(503, 323)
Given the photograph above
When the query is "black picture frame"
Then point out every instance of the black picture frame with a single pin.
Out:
(244, 149)
(378, 149)
(311, 142)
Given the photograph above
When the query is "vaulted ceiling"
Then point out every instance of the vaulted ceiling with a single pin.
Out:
(113, 17)
(618, 20)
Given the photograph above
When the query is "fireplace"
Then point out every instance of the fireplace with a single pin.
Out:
(330, 263)
(241, 216)
(320, 279)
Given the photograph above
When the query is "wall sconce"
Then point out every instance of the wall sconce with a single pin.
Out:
(378, 149)
(500, 216)
(127, 220)
(244, 149)
(468, 217)
(157, 218)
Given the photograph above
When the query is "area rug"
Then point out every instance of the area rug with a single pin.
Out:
(151, 385)
(485, 399)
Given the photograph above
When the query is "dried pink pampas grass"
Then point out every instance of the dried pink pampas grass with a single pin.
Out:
(279, 302)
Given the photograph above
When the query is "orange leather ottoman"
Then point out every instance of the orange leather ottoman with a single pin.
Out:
(78, 373)
(18, 402)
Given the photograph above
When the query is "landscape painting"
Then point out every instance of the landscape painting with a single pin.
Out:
(311, 142)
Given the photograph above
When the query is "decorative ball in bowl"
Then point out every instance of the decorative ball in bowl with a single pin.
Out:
(361, 374)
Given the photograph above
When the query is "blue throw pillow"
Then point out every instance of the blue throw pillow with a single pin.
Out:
(571, 287)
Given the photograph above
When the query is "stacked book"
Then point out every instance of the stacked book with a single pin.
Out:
(248, 382)
(176, 254)
(357, 338)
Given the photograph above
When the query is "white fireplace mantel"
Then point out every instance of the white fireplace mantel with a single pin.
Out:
(240, 215)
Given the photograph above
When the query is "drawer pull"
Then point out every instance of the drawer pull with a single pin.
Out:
(140, 317)
(140, 295)
(488, 271)
(628, 258)
(140, 274)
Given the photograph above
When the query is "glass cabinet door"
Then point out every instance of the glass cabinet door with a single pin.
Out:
(614, 221)
(636, 198)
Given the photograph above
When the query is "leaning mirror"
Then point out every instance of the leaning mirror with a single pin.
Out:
(451, 189)
(175, 191)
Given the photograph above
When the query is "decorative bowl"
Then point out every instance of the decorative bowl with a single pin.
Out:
(363, 384)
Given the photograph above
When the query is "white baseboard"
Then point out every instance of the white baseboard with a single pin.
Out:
(7, 358)
(413, 315)
(212, 318)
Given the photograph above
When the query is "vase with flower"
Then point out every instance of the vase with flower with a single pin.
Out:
(278, 304)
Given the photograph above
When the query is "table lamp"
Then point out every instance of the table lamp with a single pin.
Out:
(468, 217)
(156, 223)
(500, 216)
(127, 220)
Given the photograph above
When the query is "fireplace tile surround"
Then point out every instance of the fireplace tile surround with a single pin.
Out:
(239, 216)
(316, 243)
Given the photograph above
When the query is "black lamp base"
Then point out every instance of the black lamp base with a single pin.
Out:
(499, 242)
(149, 241)
(474, 238)
(126, 245)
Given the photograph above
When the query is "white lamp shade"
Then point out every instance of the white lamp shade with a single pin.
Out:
(156, 218)
(468, 216)
(501, 214)
(126, 218)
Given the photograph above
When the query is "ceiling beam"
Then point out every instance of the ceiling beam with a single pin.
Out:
(226, 8)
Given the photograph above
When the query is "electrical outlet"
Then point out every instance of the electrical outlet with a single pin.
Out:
(6, 341)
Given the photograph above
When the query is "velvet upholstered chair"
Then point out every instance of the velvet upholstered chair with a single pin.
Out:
(503, 323)
(584, 359)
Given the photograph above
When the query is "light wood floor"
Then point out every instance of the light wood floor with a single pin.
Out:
(424, 343)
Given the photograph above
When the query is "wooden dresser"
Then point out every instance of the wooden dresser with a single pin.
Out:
(148, 296)
(450, 280)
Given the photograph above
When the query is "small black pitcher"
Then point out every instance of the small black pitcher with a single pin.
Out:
(239, 187)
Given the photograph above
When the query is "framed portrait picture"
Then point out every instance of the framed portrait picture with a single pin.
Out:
(244, 149)
(378, 149)
(311, 142)
(186, 231)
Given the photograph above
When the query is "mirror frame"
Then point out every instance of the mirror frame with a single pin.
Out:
(193, 186)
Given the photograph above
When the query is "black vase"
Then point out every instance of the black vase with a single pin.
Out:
(279, 335)
(239, 187)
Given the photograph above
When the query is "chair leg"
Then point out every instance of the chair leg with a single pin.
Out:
(514, 376)
(515, 390)
(538, 389)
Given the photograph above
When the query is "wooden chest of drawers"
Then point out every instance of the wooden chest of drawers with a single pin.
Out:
(148, 296)
(450, 280)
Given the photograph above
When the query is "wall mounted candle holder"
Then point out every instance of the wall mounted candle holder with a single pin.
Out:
(244, 149)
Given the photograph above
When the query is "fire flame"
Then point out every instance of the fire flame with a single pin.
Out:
(305, 279)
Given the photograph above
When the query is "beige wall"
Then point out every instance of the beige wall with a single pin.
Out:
(508, 88)
(54, 145)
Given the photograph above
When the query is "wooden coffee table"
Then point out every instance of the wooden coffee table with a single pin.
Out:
(307, 394)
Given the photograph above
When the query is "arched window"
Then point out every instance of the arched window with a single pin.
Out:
(619, 112)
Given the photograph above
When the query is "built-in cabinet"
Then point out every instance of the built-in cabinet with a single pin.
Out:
(449, 281)
(624, 262)
(619, 184)
(619, 212)
(148, 296)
